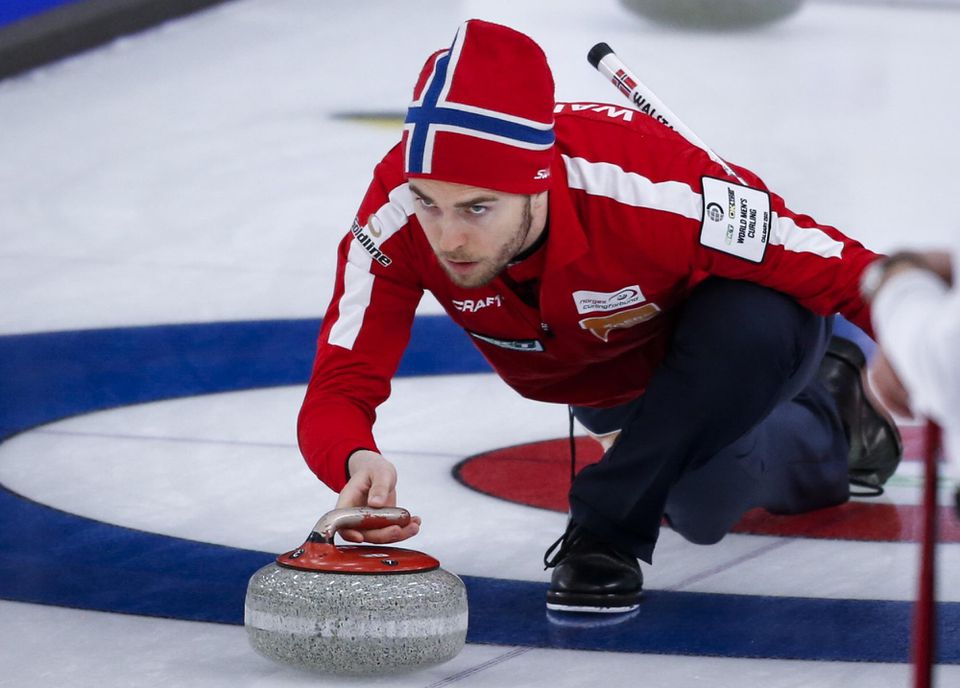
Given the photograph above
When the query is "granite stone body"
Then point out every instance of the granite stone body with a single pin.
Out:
(713, 14)
(356, 623)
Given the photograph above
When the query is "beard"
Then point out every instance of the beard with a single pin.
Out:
(485, 270)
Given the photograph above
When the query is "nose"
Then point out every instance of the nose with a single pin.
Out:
(450, 236)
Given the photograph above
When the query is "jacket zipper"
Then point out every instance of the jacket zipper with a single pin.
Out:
(521, 309)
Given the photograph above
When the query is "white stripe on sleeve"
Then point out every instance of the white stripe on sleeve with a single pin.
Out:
(358, 280)
(357, 288)
(611, 181)
(786, 233)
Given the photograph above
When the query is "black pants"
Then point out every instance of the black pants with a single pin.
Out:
(734, 419)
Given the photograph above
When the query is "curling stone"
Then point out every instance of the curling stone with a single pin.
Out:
(356, 609)
(713, 14)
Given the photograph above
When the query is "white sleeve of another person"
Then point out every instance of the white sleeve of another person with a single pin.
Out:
(917, 322)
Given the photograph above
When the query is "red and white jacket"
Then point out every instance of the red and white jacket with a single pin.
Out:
(637, 218)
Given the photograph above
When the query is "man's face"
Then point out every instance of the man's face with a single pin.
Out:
(475, 232)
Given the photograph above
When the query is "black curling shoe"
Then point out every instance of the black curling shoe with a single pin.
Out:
(590, 575)
(875, 445)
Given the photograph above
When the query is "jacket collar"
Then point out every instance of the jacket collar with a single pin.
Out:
(567, 240)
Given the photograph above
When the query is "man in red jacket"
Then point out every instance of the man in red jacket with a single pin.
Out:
(598, 259)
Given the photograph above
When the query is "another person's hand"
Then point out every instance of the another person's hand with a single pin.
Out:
(373, 483)
(887, 385)
(881, 271)
(940, 264)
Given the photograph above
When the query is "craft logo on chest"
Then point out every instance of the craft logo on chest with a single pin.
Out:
(474, 305)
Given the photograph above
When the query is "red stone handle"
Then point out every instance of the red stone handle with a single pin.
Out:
(358, 518)
(319, 554)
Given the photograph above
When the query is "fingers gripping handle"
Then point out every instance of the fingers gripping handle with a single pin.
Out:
(357, 518)
(320, 555)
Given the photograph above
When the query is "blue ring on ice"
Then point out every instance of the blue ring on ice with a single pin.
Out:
(48, 556)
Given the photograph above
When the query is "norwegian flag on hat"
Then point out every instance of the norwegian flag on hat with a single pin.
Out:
(482, 112)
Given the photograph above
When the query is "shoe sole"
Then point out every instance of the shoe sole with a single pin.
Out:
(592, 604)
(590, 621)
(591, 610)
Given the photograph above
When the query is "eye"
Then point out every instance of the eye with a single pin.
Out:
(424, 202)
(477, 209)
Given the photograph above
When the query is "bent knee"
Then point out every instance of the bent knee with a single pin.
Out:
(750, 320)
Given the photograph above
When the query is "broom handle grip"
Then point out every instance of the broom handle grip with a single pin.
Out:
(359, 518)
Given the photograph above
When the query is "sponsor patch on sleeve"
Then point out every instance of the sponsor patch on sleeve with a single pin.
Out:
(365, 237)
(736, 219)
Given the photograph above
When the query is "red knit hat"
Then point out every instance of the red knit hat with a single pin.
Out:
(482, 113)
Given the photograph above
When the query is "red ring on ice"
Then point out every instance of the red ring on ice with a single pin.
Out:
(537, 474)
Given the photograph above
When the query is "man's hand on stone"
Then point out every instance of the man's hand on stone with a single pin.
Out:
(373, 483)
